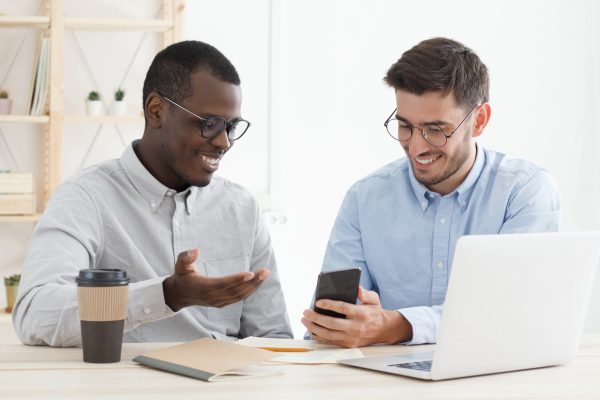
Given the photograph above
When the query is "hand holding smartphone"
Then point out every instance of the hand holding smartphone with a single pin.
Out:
(341, 285)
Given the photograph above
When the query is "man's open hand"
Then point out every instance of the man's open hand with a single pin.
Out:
(186, 287)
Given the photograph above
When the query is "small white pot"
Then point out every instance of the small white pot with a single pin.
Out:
(5, 106)
(94, 108)
(118, 108)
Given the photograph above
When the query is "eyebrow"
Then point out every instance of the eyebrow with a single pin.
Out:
(435, 122)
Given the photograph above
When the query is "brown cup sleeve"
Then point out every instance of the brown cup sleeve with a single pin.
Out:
(102, 303)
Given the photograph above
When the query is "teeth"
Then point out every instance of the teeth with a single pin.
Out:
(425, 161)
(211, 161)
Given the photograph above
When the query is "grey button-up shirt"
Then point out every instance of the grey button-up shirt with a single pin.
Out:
(117, 215)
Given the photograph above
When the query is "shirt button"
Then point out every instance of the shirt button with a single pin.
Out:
(152, 204)
(423, 204)
(146, 310)
(443, 220)
(169, 193)
(440, 264)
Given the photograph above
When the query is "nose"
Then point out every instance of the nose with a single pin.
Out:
(417, 143)
(221, 140)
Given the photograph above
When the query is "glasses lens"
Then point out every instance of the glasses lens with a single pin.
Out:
(213, 126)
(435, 135)
(399, 130)
(237, 129)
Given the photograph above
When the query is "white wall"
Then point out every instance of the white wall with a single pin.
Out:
(322, 99)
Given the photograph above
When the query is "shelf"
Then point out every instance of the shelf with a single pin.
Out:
(105, 24)
(32, 119)
(13, 21)
(20, 218)
(105, 120)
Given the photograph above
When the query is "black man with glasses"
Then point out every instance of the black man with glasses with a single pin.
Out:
(194, 245)
(400, 224)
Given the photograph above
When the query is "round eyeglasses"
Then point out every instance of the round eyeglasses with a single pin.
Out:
(212, 126)
(434, 134)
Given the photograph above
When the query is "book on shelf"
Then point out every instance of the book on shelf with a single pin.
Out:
(40, 79)
(210, 360)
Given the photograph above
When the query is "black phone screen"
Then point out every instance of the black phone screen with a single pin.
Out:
(341, 285)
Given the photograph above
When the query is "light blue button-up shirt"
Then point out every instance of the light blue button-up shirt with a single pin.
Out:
(402, 235)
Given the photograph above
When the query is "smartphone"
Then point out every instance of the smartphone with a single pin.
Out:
(341, 285)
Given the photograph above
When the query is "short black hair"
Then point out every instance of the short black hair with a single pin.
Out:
(171, 70)
(441, 65)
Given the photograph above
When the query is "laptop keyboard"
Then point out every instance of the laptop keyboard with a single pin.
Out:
(418, 365)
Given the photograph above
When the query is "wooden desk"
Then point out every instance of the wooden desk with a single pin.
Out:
(42, 372)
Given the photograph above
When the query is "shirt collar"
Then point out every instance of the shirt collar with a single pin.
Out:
(462, 192)
(151, 190)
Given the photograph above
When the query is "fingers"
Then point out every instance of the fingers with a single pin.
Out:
(338, 324)
(263, 273)
(349, 310)
(323, 334)
(185, 261)
(368, 297)
(233, 288)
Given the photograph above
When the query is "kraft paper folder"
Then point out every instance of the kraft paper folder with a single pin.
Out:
(209, 360)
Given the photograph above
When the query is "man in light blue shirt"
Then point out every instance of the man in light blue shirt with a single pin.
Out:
(401, 223)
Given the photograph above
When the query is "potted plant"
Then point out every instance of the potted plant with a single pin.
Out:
(119, 107)
(11, 284)
(94, 104)
(5, 102)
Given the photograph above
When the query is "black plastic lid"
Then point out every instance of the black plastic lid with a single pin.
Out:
(102, 277)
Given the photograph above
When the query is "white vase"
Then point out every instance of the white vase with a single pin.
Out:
(5, 106)
(94, 108)
(118, 108)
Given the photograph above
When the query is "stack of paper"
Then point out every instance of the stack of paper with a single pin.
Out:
(301, 351)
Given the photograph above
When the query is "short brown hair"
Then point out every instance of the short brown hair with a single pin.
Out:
(441, 65)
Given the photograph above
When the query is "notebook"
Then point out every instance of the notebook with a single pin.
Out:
(514, 302)
(210, 360)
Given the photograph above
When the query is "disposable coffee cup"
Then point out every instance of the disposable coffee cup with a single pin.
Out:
(102, 301)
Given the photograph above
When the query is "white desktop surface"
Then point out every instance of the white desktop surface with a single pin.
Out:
(45, 373)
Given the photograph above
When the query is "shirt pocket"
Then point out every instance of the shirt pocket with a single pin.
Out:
(218, 268)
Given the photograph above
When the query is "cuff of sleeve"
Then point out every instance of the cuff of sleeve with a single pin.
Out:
(423, 323)
(147, 302)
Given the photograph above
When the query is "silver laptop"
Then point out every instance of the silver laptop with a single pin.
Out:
(513, 302)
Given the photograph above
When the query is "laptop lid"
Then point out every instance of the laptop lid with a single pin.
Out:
(514, 302)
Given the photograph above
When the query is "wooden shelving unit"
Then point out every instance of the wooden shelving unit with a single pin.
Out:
(55, 23)
(20, 218)
(30, 119)
(10, 21)
(95, 24)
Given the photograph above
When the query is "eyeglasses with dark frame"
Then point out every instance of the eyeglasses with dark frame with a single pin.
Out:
(210, 127)
(432, 133)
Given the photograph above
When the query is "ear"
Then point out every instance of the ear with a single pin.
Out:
(154, 110)
(484, 112)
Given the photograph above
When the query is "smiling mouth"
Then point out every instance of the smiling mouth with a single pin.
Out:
(427, 160)
(211, 162)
